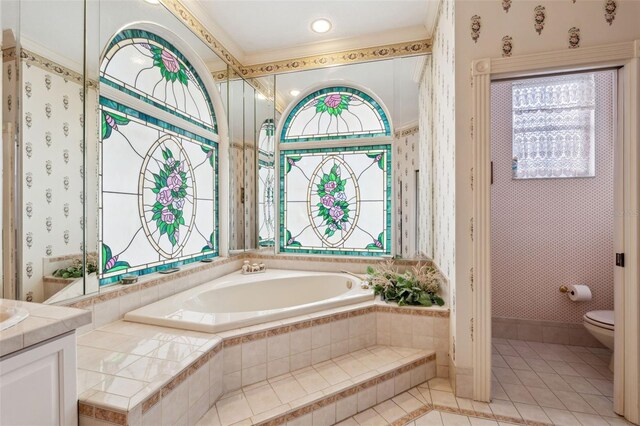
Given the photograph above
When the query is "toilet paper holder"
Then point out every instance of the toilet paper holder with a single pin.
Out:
(564, 289)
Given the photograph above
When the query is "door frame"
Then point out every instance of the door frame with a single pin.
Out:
(626, 56)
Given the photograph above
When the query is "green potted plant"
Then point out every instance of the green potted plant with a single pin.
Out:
(75, 270)
(418, 286)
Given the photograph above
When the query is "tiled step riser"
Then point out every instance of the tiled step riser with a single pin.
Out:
(335, 408)
(252, 359)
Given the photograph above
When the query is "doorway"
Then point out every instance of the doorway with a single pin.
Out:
(553, 140)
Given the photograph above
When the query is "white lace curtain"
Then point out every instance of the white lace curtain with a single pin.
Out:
(553, 127)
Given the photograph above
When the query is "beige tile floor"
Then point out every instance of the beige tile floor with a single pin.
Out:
(533, 383)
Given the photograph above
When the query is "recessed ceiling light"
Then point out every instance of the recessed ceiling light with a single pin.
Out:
(153, 1)
(294, 93)
(321, 25)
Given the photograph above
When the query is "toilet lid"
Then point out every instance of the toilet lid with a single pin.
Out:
(603, 317)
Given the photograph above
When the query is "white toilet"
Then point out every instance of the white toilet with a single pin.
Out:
(600, 325)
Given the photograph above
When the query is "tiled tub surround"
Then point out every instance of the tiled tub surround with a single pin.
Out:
(114, 301)
(132, 373)
(43, 323)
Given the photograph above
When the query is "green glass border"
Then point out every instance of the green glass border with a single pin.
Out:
(108, 103)
(327, 90)
(156, 104)
(137, 33)
(388, 151)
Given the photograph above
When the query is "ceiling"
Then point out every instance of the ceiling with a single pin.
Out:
(257, 31)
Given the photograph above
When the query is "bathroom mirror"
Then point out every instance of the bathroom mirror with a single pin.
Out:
(395, 83)
(43, 123)
(162, 127)
(73, 196)
(251, 168)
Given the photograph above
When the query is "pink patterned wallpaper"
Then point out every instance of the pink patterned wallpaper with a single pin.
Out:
(550, 232)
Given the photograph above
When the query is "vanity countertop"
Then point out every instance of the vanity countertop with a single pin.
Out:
(43, 322)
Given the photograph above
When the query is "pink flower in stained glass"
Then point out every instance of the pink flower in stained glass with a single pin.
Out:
(171, 162)
(336, 213)
(167, 216)
(111, 262)
(378, 244)
(332, 101)
(178, 204)
(174, 181)
(110, 121)
(176, 235)
(164, 197)
(170, 62)
(327, 200)
(330, 186)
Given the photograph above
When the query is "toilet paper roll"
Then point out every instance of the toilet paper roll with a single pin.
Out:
(579, 293)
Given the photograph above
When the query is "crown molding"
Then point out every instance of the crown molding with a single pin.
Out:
(220, 34)
(395, 36)
(180, 11)
(349, 55)
(433, 7)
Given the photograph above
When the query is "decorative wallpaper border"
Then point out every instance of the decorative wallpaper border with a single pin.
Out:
(32, 58)
(407, 132)
(410, 48)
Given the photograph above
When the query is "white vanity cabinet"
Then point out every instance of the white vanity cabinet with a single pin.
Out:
(38, 384)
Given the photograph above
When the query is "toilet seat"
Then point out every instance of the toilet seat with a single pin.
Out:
(602, 319)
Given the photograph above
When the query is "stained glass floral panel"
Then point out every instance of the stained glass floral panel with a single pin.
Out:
(158, 200)
(335, 113)
(336, 201)
(149, 68)
(266, 184)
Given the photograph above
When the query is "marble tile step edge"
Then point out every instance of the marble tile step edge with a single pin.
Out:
(348, 389)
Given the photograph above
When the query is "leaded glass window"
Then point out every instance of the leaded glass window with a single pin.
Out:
(149, 68)
(553, 127)
(335, 199)
(335, 113)
(266, 184)
(158, 178)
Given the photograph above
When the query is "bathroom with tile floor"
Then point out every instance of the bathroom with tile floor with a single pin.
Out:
(533, 384)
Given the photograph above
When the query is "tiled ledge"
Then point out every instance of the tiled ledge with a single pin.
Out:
(43, 323)
(147, 281)
(141, 350)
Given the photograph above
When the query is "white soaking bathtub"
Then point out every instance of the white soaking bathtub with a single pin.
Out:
(238, 300)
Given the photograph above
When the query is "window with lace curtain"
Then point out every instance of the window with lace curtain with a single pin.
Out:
(553, 127)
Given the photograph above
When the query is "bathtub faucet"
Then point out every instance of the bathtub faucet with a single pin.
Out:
(253, 268)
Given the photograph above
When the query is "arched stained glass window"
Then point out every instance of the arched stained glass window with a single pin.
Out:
(149, 68)
(335, 113)
(158, 172)
(336, 200)
(266, 184)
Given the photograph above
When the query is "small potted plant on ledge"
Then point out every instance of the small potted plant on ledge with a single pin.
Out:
(418, 286)
(75, 270)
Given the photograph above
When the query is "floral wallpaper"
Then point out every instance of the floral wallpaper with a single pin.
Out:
(51, 131)
(437, 132)
(406, 158)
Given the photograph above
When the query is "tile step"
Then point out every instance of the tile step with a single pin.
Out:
(327, 392)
